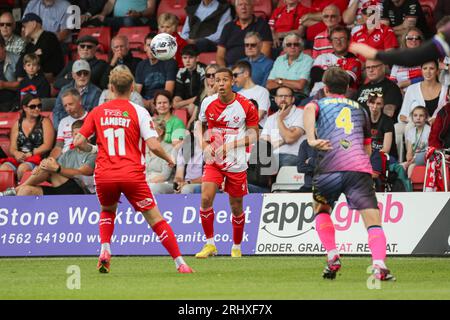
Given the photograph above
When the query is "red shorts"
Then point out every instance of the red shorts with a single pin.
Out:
(138, 194)
(235, 182)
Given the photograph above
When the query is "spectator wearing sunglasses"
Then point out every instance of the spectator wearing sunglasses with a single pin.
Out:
(86, 49)
(14, 43)
(209, 87)
(292, 69)
(261, 65)
(90, 93)
(331, 17)
(405, 76)
(31, 138)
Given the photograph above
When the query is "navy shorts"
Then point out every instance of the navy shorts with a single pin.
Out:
(357, 186)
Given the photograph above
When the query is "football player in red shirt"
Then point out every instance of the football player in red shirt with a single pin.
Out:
(229, 125)
(123, 129)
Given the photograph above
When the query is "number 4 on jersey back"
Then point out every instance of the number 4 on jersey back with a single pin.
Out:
(344, 120)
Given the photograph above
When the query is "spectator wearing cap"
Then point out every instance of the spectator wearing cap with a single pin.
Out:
(86, 48)
(43, 43)
(189, 80)
(54, 15)
(14, 43)
(376, 35)
(204, 23)
(90, 93)
(8, 81)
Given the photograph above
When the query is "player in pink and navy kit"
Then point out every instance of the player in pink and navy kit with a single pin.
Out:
(343, 166)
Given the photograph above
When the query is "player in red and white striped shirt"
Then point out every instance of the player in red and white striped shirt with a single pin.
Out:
(230, 124)
(123, 129)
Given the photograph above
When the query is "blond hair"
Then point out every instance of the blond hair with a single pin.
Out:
(121, 79)
(169, 18)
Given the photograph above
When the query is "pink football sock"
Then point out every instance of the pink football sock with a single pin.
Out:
(377, 243)
(326, 231)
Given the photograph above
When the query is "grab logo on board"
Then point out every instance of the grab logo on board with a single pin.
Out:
(287, 224)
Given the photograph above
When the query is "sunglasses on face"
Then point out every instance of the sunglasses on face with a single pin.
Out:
(373, 67)
(251, 45)
(210, 75)
(86, 46)
(34, 106)
(330, 16)
(237, 74)
(6, 24)
(376, 94)
(294, 44)
(414, 38)
(82, 73)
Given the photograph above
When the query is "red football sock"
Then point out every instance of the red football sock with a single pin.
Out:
(238, 228)
(207, 217)
(167, 238)
(106, 226)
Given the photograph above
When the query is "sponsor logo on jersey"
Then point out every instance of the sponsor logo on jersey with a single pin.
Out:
(113, 112)
(125, 114)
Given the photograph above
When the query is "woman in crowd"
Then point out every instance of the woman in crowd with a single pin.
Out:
(174, 126)
(31, 138)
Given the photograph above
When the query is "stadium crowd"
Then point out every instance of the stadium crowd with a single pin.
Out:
(52, 75)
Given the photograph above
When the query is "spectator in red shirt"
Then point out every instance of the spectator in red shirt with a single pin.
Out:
(376, 35)
(440, 130)
(331, 17)
(311, 18)
(284, 19)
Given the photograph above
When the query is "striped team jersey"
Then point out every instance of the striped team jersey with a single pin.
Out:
(347, 126)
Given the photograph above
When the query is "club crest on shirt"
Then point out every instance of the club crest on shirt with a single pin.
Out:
(345, 143)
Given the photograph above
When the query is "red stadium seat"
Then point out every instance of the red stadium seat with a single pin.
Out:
(48, 114)
(418, 178)
(7, 180)
(136, 36)
(429, 16)
(182, 114)
(7, 120)
(140, 55)
(263, 8)
(430, 3)
(207, 57)
(173, 6)
(103, 35)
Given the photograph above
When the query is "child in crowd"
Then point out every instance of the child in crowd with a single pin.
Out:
(168, 23)
(417, 140)
(35, 81)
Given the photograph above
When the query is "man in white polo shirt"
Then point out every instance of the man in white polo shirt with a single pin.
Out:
(284, 129)
(242, 76)
(71, 101)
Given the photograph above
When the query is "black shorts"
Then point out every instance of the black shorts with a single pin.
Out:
(69, 187)
(357, 186)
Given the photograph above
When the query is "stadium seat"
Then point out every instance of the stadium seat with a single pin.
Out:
(263, 8)
(7, 180)
(7, 120)
(429, 16)
(430, 3)
(174, 6)
(136, 36)
(182, 114)
(140, 55)
(288, 180)
(418, 178)
(48, 114)
(103, 35)
(207, 57)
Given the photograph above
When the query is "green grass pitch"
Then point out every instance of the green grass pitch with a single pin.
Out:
(255, 277)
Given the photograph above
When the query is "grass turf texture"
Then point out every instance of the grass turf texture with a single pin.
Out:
(257, 277)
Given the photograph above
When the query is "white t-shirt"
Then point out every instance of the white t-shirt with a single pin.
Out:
(65, 130)
(421, 140)
(262, 96)
(294, 119)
